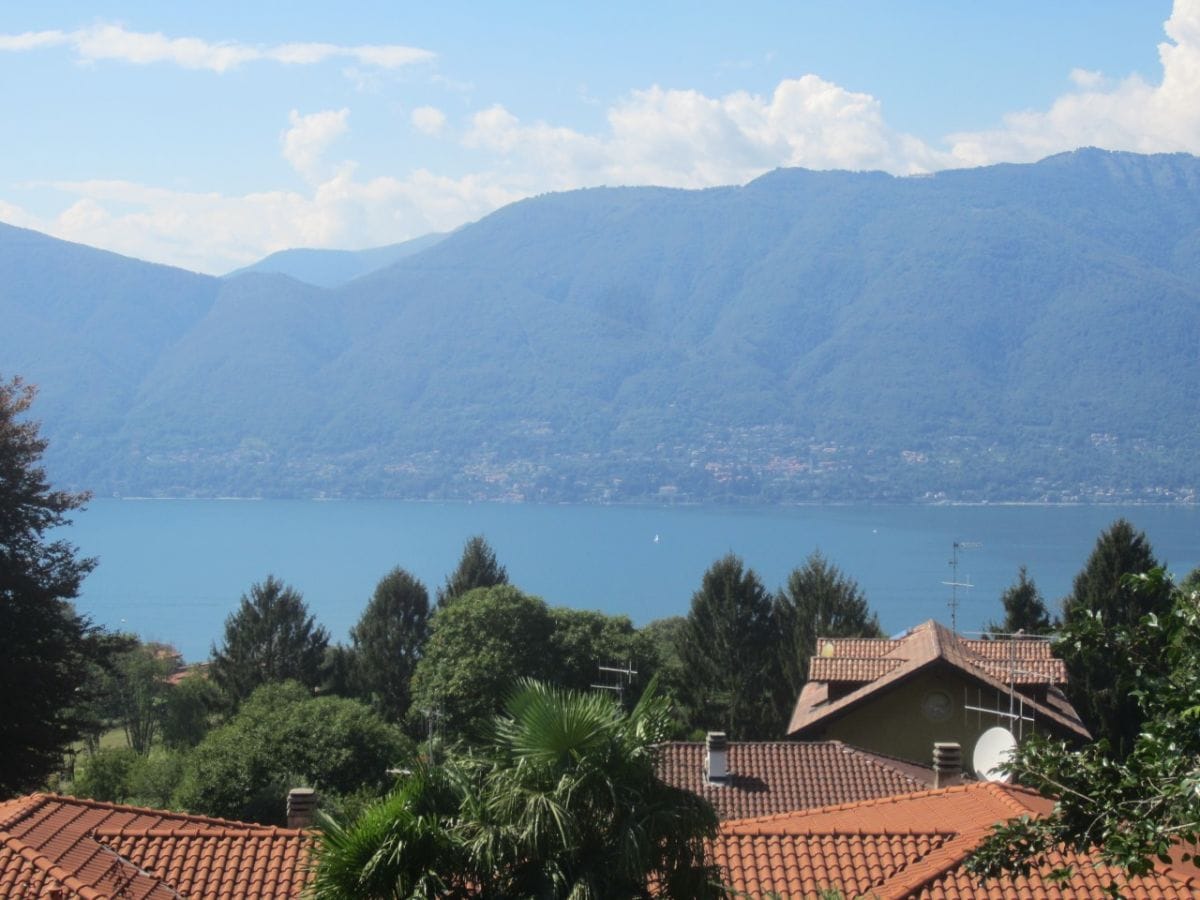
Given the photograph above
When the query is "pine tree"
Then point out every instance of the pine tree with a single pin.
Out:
(477, 568)
(817, 601)
(270, 638)
(1101, 688)
(388, 640)
(729, 648)
(1024, 609)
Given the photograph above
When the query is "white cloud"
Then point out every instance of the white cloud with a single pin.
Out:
(310, 136)
(215, 233)
(428, 120)
(113, 42)
(686, 139)
(1132, 114)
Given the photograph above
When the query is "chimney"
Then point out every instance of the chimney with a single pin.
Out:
(716, 762)
(947, 763)
(301, 807)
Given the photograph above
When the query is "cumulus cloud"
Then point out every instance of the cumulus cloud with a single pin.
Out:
(428, 120)
(305, 142)
(1130, 114)
(113, 42)
(686, 139)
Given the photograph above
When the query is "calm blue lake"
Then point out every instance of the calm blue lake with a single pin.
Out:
(172, 570)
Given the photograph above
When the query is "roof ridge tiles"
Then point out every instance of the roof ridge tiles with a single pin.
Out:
(148, 811)
(921, 872)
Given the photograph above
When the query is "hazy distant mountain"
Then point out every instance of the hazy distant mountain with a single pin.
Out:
(1018, 332)
(333, 268)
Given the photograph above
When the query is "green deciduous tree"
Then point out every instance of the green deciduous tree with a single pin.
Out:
(477, 568)
(48, 650)
(270, 638)
(476, 648)
(1139, 806)
(139, 693)
(1024, 609)
(561, 802)
(730, 649)
(1100, 686)
(283, 737)
(388, 640)
(584, 639)
(818, 600)
(188, 710)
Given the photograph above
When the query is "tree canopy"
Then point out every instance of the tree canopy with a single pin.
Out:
(388, 640)
(477, 646)
(283, 737)
(477, 568)
(270, 638)
(1138, 806)
(729, 649)
(818, 600)
(48, 648)
(1024, 609)
(1100, 686)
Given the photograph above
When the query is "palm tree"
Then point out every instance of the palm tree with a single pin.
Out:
(562, 803)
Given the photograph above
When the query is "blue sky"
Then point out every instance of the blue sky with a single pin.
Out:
(207, 136)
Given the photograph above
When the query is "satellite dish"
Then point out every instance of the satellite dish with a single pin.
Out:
(994, 747)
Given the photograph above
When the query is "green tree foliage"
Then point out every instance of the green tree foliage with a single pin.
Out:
(388, 640)
(476, 648)
(477, 568)
(188, 710)
(1100, 686)
(584, 639)
(139, 693)
(1140, 806)
(818, 600)
(121, 775)
(729, 648)
(1024, 609)
(281, 738)
(270, 638)
(561, 802)
(49, 650)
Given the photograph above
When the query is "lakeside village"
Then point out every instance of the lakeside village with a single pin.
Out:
(481, 743)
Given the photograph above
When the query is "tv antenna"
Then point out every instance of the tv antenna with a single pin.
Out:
(954, 584)
(616, 679)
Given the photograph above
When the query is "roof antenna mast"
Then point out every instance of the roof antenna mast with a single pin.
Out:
(954, 584)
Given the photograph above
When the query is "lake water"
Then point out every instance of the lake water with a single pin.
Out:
(172, 570)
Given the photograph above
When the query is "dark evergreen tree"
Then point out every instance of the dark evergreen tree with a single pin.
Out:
(730, 651)
(48, 649)
(270, 638)
(817, 601)
(1100, 687)
(477, 568)
(1024, 609)
(585, 639)
(388, 640)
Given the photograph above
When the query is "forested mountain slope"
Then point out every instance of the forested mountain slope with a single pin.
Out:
(1019, 332)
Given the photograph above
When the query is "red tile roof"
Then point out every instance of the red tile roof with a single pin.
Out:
(777, 776)
(912, 846)
(873, 666)
(93, 851)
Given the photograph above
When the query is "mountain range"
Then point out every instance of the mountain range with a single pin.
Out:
(1014, 333)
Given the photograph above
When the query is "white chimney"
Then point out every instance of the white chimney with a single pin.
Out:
(947, 763)
(301, 807)
(716, 763)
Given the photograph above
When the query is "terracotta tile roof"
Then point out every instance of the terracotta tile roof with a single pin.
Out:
(781, 776)
(912, 846)
(93, 851)
(877, 665)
